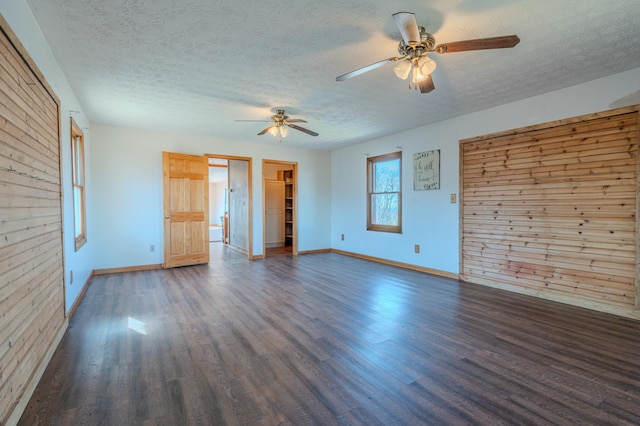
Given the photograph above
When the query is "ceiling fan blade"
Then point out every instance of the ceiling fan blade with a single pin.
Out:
(265, 130)
(479, 44)
(408, 26)
(295, 120)
(426, 85)
(302, 129)
(367, 68)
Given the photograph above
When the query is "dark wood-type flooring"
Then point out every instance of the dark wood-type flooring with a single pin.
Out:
(327, 339)
(279, 251)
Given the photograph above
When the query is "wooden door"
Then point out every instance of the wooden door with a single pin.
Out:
(274, 213)
(239, 205)
(186, 209)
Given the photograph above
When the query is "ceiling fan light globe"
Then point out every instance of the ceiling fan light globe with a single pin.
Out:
(284, 131)
(273, 130)
(403, 69)
(426, 65)
(417, 76)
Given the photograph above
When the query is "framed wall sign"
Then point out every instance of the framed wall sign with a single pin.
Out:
(426, 170)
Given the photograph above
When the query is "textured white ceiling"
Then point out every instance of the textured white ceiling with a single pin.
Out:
(195, 66)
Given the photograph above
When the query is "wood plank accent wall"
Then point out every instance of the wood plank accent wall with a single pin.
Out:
(32, 315)
(551, 210)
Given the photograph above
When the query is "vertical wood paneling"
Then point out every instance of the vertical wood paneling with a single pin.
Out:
(551, 210)
(31, 265)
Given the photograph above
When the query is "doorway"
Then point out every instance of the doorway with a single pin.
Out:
(218, 200)
(230, 203)
(280, 207)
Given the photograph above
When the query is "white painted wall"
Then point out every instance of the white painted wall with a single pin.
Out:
(428, 217)
(127, 181)
(216, 202)
(271, 170)
(24, 25)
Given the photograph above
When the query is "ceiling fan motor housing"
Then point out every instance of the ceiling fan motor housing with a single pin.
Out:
(426, 45)
(279, 116)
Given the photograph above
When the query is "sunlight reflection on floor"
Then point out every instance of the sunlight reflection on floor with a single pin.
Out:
(136, 325)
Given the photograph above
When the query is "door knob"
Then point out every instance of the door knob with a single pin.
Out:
(167, 217)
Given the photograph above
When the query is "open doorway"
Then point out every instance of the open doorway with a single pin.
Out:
(218, 200)
(280, 207)
(230, 204)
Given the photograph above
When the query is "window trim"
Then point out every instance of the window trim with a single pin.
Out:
(77, 138)
(370, 162)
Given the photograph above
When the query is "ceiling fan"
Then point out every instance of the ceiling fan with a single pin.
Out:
(281, 123)
(417, 44)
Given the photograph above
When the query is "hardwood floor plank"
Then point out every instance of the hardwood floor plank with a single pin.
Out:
(368, 388)
(329, 339)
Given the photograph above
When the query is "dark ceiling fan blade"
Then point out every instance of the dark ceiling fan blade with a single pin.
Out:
(479, 44)
(367, 68)
(295, 120)
(426, 85)
(265, 130)
(408, 26)
(302, 129)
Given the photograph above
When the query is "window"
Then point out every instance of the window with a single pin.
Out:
(384, 193)
(77, 157)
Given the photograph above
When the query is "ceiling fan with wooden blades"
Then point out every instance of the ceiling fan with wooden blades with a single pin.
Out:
(416, 46)
(280, 124)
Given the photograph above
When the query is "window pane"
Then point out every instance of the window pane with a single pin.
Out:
(77, 211)
(386, 176)
(384, 209)
(77, 159)
(77, 152)
(74, 154)
(384, 193)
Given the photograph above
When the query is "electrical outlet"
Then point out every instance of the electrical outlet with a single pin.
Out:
(453, 198)
(342, 237)
(417, 248)
(152, 248)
